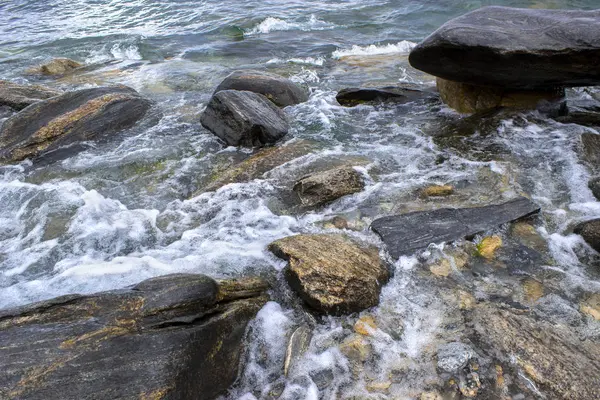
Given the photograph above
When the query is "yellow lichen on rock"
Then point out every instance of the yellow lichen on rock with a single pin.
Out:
(438, 190)
(365, 325)
(533, 289)
(591, 306)
(488, 246)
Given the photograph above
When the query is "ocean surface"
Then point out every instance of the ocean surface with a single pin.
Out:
(132, 207)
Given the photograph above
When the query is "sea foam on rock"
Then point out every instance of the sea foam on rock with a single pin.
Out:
(69, 119)
(281, 91)
(331, 273)
(243, 118)
(501, 54)
(177, 336)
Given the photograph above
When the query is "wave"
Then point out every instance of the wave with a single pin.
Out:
(272, 24)
(316, 61)
(402, 47)
(118, 51)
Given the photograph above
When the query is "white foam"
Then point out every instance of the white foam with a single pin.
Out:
(316, 61)
(118, 51)
(273, 24)
(402, 47)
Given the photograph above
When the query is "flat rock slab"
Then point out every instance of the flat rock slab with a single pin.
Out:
(69, 119)
(18, 96)
(515, 48)
(171, 337)
(281, 91)
(351, 97)
(324, 187)
(406, 233)
(332, 274)
(243, 118)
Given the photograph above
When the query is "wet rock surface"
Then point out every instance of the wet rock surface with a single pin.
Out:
(64, 122)
(512, 47)
(331, 273)
(243, 118)
(18, 96)
(58, 66)
(171, 337)
(406, 233)
(590, 231)
(324, 187)
(281, 91)
(351, 97)
(561, 364)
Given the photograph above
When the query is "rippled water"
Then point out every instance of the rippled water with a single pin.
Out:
(125, 210)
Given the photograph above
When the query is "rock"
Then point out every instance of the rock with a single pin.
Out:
(512, 48)
(582, 112)
(242, 118)
(532, 289)
(330, 273)
(594, 185)
(58, 66)
(488, 246)
(378, 386)
(365, 325)
(549, 354)
(297, 346)
(351, 97)
(529, 236)
(69, 119)
(20, 96)
(591, 306)
(356, 349)
(438, 190)
(281, 91)
(590, 143)
(324, 187)
(435, 395)
(169, 337)
(454, 356)
(468, 98)
(406, 233)
(590, 231)
(265, 160)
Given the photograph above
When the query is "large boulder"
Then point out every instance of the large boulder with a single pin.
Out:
(69, 119)
(324, 187)
(561, 363)
(515, 48)
(590, 232)
(331, 273)
(243, 118)
(20, 96)
(173, 337)
(406, 233)
(281, 91)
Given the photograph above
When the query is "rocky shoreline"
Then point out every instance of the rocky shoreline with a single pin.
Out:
(183, 336)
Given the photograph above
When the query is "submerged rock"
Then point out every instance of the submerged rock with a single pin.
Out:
(351, 97)
(513, 47)
(68, 120)
(331, 273)
(281, 91)
(169, 337)
(297, 345)
(243, 118)
(20, 96)
(559, 362)
(324, 187)
(58, 66)
(590, 143)
(454, 356)
(594, 185)
(590, 231)
(406, 233)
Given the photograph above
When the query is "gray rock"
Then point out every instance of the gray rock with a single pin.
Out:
(594, 185)
(351, 97)
(323, 187)
(69, 119)
(406, 233)
(454, 356)
(20, 96)
(243, 118)
(297, 345)
(281, 91)
(557, 310)
(512, 48)
(172, 337)
(590, 231)
(590, 143)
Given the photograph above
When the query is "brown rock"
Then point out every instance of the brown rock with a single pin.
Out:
(488, 246)
(438, 190)
(365, 325)
(20, 96)
(590, 231)
(562, 365)
(331, 273)
(58, 66)
(356, 348)
(324, 187)
(591, 306)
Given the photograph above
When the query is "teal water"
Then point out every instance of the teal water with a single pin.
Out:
(125, 210)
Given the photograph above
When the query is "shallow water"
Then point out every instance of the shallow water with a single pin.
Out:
(124, 210)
